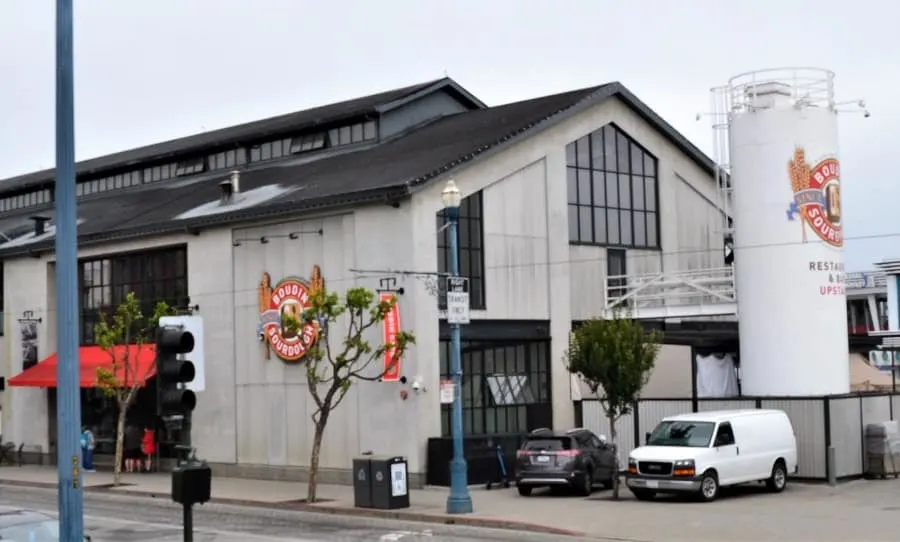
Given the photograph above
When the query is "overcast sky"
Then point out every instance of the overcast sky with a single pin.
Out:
(151, 71)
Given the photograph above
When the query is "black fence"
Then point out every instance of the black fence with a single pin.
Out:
(481, 458)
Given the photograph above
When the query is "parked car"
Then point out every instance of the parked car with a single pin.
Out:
(27, 525)
(576, 459)
(700, 453)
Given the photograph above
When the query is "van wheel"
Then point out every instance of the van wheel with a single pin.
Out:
(778, 481)
(524, 491)
(709, 487)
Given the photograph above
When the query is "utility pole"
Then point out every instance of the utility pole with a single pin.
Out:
(68, 406)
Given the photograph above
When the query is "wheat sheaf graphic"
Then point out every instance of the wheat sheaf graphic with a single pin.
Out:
(799, 172)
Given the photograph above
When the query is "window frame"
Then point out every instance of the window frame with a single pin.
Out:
(470, 231)
(592, 165)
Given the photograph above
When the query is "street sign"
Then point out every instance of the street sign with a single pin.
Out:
(457, 300)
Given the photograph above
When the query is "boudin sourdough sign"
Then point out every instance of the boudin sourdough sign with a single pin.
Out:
(281, 307)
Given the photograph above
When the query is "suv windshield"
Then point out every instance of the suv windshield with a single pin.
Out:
(689, 434)
(548, 444)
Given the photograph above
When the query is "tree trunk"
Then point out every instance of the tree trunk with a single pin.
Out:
(120, 445)
(314, 458)
(614, 440)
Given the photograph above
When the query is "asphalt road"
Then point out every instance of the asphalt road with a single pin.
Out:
(127, 518)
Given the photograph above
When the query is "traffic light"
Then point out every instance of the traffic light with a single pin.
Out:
(173, 399)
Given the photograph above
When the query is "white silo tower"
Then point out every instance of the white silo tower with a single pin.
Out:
(788, 234)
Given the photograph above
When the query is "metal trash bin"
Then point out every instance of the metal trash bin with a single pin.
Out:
(390, 482)
(362, 482)
(882, 450)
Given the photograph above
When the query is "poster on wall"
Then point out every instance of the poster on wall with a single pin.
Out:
(28, 326)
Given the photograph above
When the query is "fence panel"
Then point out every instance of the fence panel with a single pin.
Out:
(595, 419)
(651, 412)
(876, 408)
(808, 418)
(846, 435)
(708, 405)
(895, 404)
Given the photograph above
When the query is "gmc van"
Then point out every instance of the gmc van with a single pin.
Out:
(702, 452)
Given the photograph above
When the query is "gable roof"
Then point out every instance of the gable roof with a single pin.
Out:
(383, 172)
(371, 105)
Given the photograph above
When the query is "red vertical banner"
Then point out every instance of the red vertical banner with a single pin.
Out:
(390, 327)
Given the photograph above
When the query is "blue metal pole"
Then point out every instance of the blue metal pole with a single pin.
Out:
(68, 404)
(459, 501)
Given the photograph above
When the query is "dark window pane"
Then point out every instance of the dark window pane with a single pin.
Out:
(650, 194)
(572, 184)
(612, 226)
(612, 189)
(616, 263)
(652, 241)
(624, 191)
(637, 160)
(584, 187)
(599, 188)
(585, 227)
(640, 229)
(649, 165)
(625, 227)
(637, 193)
(570, 154)
(597, 150)
(600, 225)
(609, 148)
(476, 234)
(583, 152)
(573, 223)
(624, 162)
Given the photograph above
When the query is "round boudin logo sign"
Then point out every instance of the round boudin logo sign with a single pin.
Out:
(284, 328)
(817, 197)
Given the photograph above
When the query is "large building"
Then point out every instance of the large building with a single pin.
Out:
(560, 193)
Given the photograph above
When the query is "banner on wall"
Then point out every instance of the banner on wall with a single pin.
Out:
(28, 325)
(390, 327)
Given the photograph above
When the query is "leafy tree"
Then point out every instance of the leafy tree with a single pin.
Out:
(123, 337)
(333, 363)
(615, 356)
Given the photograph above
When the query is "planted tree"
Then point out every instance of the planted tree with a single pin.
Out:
(124, 336)
(338, 359)
(614, 358)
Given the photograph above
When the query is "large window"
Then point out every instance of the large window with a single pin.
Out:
(159, 275)
(612, 186)
(471, 253)
(506, 387)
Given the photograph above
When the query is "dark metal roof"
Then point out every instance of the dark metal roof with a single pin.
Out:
(210, 141)
(385, 172)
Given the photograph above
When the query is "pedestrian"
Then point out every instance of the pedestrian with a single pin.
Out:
(88, 443)
(148, 447)
(132, 448)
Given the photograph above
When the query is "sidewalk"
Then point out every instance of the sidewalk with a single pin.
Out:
(861, 510)
(498, 508)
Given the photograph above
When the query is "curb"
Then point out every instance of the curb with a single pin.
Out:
(483, 522)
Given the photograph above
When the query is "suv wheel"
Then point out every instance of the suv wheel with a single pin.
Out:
(524, 491)
(587, 484)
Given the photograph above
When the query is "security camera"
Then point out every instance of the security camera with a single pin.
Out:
(416, 385)
(866, 114)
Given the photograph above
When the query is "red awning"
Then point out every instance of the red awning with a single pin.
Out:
(141, 367)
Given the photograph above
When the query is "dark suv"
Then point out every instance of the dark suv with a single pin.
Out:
(576, 459)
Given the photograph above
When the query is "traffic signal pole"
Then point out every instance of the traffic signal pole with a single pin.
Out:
(68, 406)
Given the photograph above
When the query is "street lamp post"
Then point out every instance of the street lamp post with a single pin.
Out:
(459, 501)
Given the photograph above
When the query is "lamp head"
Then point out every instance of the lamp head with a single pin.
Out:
(451, 195)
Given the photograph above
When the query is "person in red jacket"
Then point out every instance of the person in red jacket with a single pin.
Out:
(148, 447)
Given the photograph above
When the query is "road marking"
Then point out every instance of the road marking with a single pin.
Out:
(399, 535)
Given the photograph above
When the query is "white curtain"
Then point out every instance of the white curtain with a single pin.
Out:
(716, 376)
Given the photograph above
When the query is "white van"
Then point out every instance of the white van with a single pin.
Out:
(701, 452)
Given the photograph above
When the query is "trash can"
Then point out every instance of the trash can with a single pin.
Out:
(882, 447)
(362, 482)
(389, 482)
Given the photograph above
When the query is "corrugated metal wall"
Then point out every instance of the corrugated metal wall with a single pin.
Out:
(846, 417)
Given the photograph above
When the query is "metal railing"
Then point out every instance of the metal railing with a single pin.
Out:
(700, 292)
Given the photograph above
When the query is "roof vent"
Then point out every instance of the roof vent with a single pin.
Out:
(40, 224)
(230, 187)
